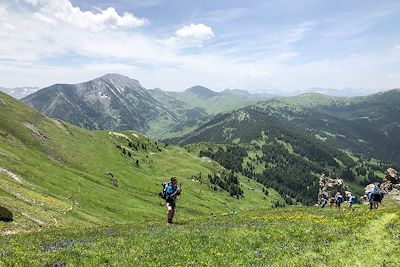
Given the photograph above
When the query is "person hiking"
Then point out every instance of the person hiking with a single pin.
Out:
(331, 202)
(171, 193)
(352, 200)
(324, 201)
(374, 198)
(338, 200)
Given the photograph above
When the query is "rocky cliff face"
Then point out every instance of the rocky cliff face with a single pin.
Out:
(110, 102)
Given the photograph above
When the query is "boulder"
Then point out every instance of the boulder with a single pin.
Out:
(386, 187)
(5, 215)
(392, 176)
(329, 187)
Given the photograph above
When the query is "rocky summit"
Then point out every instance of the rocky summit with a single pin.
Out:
(112, 101)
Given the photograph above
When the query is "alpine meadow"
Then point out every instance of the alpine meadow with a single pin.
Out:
(211, 133)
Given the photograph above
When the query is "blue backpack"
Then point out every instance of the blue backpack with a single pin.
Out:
(339, 199)
(353, 200)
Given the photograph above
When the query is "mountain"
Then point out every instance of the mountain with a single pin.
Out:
(201, 91)
(19, 92)
(245, 93)
(116, 102)
(287, 143)
(113, 102)
(368, 125)
(56, 174)
(345, 92)
(206, 100)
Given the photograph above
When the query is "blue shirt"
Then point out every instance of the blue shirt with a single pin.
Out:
(170, 190)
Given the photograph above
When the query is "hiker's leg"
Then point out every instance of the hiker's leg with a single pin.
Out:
(172, 214)
(169, 213)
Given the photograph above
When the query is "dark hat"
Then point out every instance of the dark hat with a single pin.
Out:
(173, 179)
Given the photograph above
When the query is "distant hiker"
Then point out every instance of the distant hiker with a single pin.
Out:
(324, 201)
(170, 193)
(332, 201)
(352, 200)
(374, 198)
(338, 200)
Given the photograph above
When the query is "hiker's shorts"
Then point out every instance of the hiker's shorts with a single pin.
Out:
(170, 205)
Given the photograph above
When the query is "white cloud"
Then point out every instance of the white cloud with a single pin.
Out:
(298, 33)
(189, 36)
(397, 47)
(64, 50)
(196, 32)
(52, 11)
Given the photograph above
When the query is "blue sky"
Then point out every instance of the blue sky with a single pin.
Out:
(261, 46)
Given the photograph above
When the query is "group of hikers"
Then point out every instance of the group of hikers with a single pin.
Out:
(171, 191)
(374, 198)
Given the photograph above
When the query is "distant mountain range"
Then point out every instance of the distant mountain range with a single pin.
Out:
(345, 92)
(116, 102)
(19, 92)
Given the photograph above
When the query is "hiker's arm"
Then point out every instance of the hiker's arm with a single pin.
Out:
(177, 191)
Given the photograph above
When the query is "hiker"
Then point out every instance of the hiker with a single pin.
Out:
(352, 200)
(323, 202)
(338, 200)
(374, 198)
(171, 192)
(331, 202)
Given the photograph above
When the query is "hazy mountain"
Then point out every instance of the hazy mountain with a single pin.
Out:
(245, 93)
(207, 100)
(201, 91)
(19, 92)
(345, 92)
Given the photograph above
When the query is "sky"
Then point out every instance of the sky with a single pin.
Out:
(271, 46)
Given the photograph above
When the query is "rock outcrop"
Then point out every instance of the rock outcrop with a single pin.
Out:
(329, 187)
(390, 187)
(392, 176)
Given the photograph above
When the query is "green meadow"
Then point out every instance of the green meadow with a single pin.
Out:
(292, 236)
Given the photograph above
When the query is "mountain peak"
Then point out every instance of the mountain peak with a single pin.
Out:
(114, 76)
(119, 79)
(202, 91)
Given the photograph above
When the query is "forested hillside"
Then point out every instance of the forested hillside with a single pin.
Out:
(287, 143)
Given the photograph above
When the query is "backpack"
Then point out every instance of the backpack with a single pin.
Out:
(353, 200)
(376, 195)
(339, 199)
(163, 193)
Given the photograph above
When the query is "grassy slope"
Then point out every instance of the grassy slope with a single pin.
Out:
(293, 236)
(65, 183)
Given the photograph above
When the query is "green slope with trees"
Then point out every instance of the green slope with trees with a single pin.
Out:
(56, 174)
